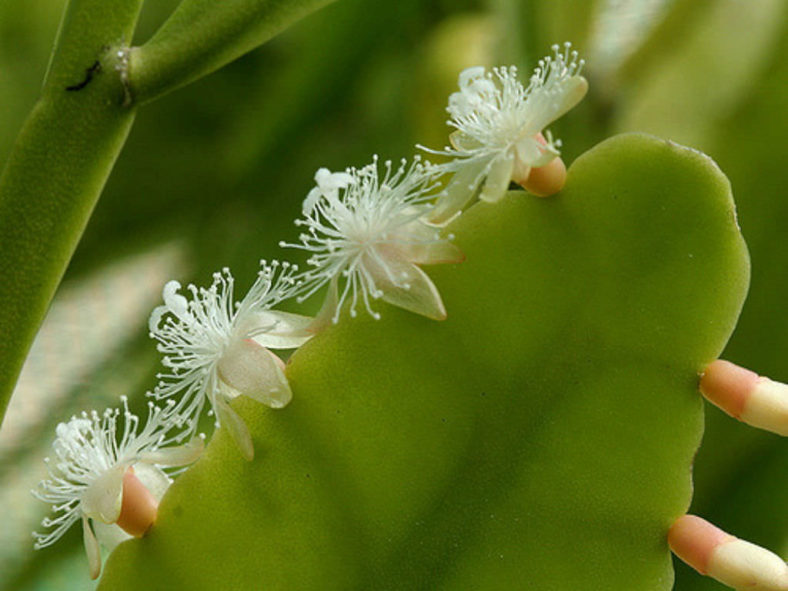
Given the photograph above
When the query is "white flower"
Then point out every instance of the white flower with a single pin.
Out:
(217, 350)
(110, 477)
(498, 126)
(367, 239)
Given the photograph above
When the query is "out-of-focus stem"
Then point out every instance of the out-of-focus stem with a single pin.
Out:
(203, 35)
(58, 167)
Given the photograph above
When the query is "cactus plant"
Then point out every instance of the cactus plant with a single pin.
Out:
(541, 437)
(566, 376)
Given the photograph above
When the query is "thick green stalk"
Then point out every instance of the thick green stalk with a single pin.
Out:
(203, 35)
(58, 167)
(71, 140)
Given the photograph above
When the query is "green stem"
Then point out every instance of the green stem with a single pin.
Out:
(58, 167)
(203, 35)
(73, 136)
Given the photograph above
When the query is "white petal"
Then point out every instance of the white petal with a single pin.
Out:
(340, 180)
(459, 105)
(252, 370)
(534, 153)
(480, 87)
(177, 304)
(109, 535)
(310, 201)
(464, 142)
(322, 176)
(498, 177)
(102, 499)
(328, 308)
(468, 75)
(153, 478)
(155, 318)
(327, 185)
(421, 244)
(236, 426)
(406, 286)
(91, 549)
(520, 172)
(436, 253)
(529, 151)
(287, 331)
(179, 455)
(458, 192)
(547, 105)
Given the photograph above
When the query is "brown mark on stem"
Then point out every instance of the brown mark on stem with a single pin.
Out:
(94, 69)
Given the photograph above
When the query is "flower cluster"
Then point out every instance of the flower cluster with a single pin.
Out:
(367, 231)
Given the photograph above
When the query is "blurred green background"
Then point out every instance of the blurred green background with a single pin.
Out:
(213, 174)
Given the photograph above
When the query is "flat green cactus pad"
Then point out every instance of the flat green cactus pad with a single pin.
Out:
(540, 438)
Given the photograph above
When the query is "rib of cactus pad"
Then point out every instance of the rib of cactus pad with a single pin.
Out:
(540, 438)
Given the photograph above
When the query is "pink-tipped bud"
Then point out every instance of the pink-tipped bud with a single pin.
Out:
(541, 181)
(694, 539)
(731, 561)
(757, 401)
(546, 180)
(139, 507)
(728, 386)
